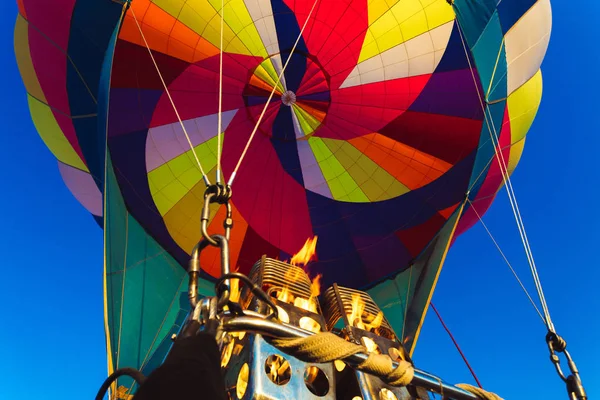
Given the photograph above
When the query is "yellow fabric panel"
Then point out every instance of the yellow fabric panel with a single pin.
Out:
(516, 151)
(239, 19)
(24, 61)
(183, 220)
(523, 104)
(239, 33)
(267, 72)
(401, 22)
(379, 7)
(170, 182)
(341, 184)
(375, 182)
(169, 196)
(173, 7)
(52, 135)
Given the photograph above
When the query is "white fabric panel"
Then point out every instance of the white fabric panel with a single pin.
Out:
(418, 56)
(262, 14)
(526, 44)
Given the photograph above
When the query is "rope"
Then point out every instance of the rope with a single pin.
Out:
(482, 394)
(220, 121)
(327, 347)
(206, 180)
(508, 263)
(510, 191)
(262, 114)
(456, 345)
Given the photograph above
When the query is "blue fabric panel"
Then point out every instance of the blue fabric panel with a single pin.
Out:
(348, 234)
(511, 11)
(94, 27)
(288, 156)
(454, 57)
(127, 152)
(288, 31)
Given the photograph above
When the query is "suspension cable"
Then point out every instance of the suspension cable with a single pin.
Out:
(554, 341)
(507, 262)
(206, 180)
(262, 114)
(510, 191)
(220, 121)
(456, 345)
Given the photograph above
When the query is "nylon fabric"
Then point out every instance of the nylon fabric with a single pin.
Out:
(372, 140)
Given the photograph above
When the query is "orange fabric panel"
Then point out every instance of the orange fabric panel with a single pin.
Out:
(408, 165)
(165, 34)
(210, 258)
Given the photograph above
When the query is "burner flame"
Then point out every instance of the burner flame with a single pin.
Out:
(234, 290)
(358, 319)
(306, 253)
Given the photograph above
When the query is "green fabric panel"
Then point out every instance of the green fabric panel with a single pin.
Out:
(391, 295)
(160, 351)
(343, 186)
(500, 84)
(486, 152)
(115, 228)
(372, 180)
(473, 16)
(144, 287)
(307, 122)
(339, 181)
(152, 282)
(490, 58)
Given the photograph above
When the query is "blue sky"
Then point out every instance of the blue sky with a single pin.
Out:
(51, 285)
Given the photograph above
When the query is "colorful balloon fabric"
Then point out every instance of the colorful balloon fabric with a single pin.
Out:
(378, 132)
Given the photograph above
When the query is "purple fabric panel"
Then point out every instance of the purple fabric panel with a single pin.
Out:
(131, 110)
(311, 172)
(381, 256)
(450, 93)
(83, 187)
(166, 142)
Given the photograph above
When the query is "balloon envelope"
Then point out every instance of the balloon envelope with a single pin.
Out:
(378, 131)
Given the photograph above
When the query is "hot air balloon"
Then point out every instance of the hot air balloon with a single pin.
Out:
(377, 126)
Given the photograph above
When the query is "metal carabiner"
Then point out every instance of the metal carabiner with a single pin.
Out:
(195, 268)
(220, 194)
(575, 387)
